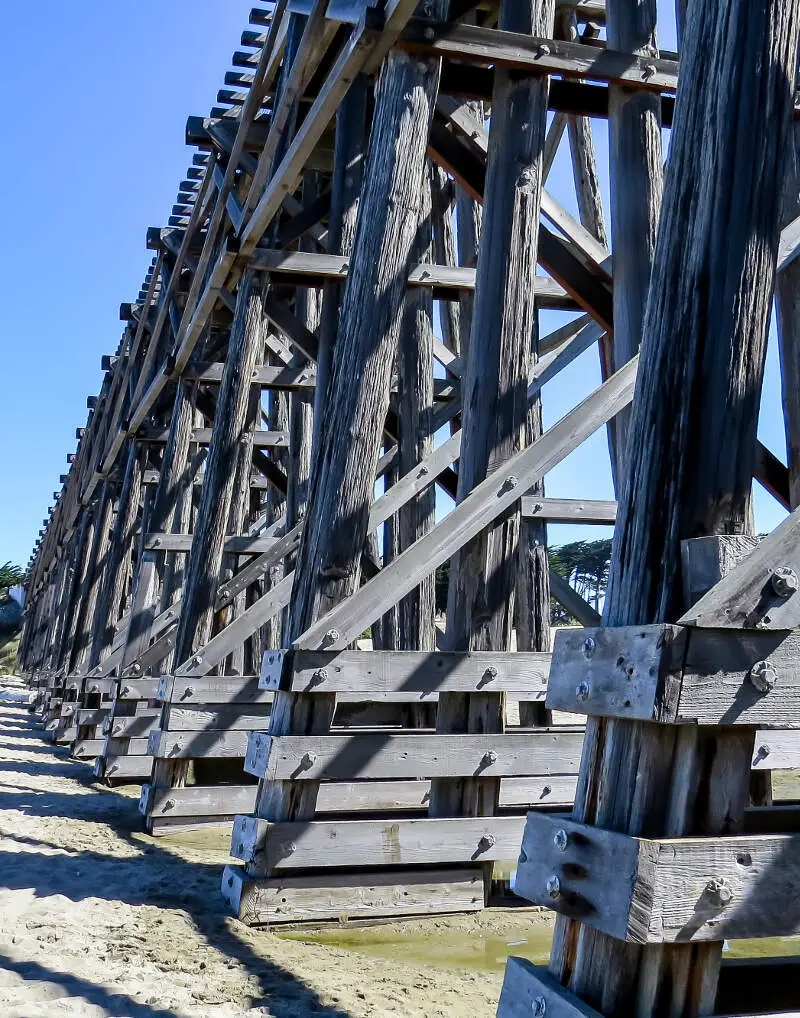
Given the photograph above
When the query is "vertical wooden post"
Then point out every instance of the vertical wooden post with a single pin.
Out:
(328, 562)
(415, 404)
(229, 431)
(94, 576)
(115, 572)
(636, 184)
(173, 466)
(787, 294)
(700, 379)
(496, 420)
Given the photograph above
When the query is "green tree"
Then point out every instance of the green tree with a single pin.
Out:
(584, 565)
(10, 576)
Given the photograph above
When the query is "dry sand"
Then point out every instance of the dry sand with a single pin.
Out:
(98, 919)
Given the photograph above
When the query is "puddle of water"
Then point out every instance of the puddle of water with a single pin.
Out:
(474, 949)
(484, 950)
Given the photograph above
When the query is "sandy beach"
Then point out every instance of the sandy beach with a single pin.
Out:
(99, 919)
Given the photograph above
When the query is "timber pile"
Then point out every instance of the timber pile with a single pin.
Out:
(255, 486)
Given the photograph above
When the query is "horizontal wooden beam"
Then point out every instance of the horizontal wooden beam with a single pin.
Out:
(388, 671)
(569, 510)
(377, 755)
(668, 890)
(329, 844)
(242, 544)
(346, 896)
(678, 675)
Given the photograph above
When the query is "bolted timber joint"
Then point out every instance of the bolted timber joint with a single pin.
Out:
(785, 581)
(763, 675)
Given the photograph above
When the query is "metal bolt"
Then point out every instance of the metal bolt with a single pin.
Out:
(429, 34)
(157, 542)
(543, 50)
(289, 847)
(648, 71)
(486, 842)
(785, 581)
(168, 805)
(124, 691)
(169, 614)
(491, 671)
(320, 674)
(512, 481)
(560, 839)
(539, 1006)
(553, 886)
(423, 471)
(197, 659)
(589, 646)
(308, 760)
(583, 690)
(332, 636)
(763, 676)
(719, 891)
(490, 757)
(223, 591)
(136, 668)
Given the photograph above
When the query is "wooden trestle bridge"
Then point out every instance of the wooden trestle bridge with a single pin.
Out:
(354, 266)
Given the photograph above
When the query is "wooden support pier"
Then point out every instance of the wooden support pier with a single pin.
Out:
(333, 383)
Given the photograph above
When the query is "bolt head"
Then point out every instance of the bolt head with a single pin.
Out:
(332, 635)
(543, 50)
(561, 839)
(589, 646)
(719, 891)
(763, 675)
(491, 671)
(785, 581)
(320, 674)
(490, 757)
(512, 481)
(197, 659)
(582, 691)
(308, 760)
(553, 887)
(539, 1007)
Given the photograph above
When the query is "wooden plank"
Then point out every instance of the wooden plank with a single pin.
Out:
(656, 891)
(137, 725)
(404, 671)
(233, 719)
(776, 751)
(343, 797)
(266, 846)
(569, 510)
(197, 745)
(351, 896)
(516, 51)
(385, 755)
(529, 989)
(133, 766)
(235, 545)
(213, 689)
(757, 593)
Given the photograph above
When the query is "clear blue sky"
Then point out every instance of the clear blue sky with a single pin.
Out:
(97, 99)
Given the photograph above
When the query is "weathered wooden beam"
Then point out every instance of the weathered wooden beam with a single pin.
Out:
(660, 891)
